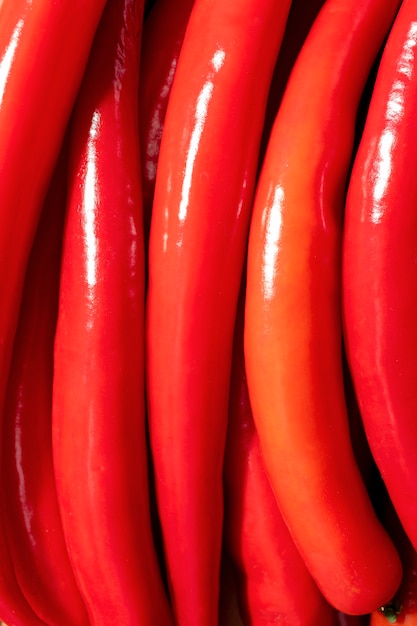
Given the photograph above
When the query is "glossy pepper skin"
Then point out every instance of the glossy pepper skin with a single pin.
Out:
(379, 269)
(293, 334)
(33, 520)
(203, 192)
(43, 52)
(99, 441)
(163, 34)
(274, 584)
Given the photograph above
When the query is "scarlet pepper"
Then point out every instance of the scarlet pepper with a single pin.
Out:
(379, 269)
(293, 334)
(43, 51)
(99, 436)
(203, 194)
(33, 520)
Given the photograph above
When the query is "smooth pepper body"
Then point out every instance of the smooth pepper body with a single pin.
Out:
(380, 269)
(293, 331)
(99, 433)
(43, 52)
(203, 192)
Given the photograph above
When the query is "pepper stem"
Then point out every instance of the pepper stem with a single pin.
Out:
(391, 611)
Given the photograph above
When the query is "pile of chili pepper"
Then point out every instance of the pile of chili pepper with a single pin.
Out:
(208, 248)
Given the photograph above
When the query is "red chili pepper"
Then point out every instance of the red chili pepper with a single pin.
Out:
(99, 439)
(274, 584)
(43, 52)
(379, 268)
(203, 193)
(163, 34)
(293, 335)
(33, 520)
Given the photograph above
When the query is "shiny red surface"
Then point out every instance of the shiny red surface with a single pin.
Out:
(99, 440)
(380, 269)
(42, 44)
(293, 327)
(204, 184)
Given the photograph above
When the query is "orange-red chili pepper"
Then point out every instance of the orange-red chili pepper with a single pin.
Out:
(274, 585)
(293, 334)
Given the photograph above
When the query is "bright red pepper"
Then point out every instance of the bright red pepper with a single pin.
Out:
(163, 34)
(43, 51)
(99, 437)
(274, 584)
(33, 520)
(203, 193)
(380, 269)
(293, 335)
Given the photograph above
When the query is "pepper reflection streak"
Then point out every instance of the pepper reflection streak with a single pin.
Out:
(382, 163)
(6, 62)
(201, 111)
(91, 200)
(273, 227)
